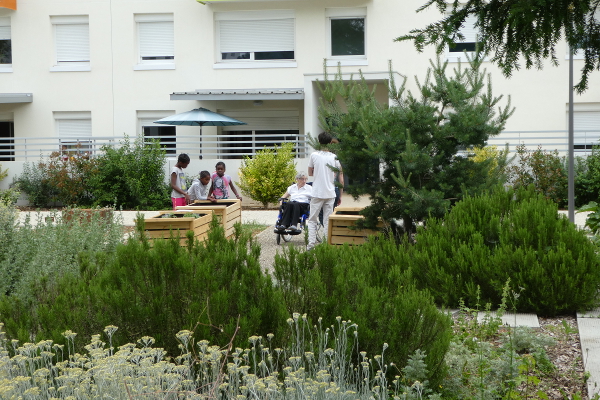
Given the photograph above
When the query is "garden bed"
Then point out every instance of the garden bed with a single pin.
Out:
(178, 223)
(227, 211)
(342, 224)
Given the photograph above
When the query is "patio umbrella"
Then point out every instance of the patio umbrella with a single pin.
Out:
(199, 117)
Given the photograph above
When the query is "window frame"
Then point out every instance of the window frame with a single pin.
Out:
(145, 119)
(163, 22)
(6, 34)
(287, 20)
(74, 132)
(586, 125)
(345, 13)
(472, 33)
(65, 26)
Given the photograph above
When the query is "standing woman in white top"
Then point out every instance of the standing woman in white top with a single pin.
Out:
(299, 194)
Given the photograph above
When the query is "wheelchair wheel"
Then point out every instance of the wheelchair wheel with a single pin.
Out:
(286, 238)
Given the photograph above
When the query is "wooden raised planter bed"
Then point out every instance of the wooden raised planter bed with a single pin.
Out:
(158, 227)
(228, 211)
(341, 227)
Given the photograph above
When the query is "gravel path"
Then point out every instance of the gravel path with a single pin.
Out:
(269, 246)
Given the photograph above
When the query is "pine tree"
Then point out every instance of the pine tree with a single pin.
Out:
(412, 157)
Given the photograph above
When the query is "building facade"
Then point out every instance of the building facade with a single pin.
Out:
(76, 74)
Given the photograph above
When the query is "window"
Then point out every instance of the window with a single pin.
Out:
(74, 132)
(586, 125)
(347, 36)
(5, 45)
(166, 134)
(7, 141)
(258, 37)
(468, 44)
(156, 41)
(264, 128)
(72, 42)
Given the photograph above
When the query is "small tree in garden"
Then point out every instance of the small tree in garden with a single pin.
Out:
(267, 175)
(131, 175)
(587, 178)
(544, 170)
(413, 156)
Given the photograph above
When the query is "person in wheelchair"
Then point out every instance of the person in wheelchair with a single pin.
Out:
(299, 195)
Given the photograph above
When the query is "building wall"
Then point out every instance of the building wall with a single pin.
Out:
(113, 91)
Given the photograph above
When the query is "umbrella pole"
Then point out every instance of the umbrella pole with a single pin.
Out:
(200, 156)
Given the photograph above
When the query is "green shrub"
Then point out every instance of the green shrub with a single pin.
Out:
(519, 236)
(157, 290)
(366, 285)
(57, 180)
(266, 176)
(34, 181)
(70, 177)
(544, 170)
(131, 176)
(8, 227)
(587, 178)
(44, 250)
(8, 196)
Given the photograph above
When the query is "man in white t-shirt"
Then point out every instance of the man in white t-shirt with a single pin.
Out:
(323, 166)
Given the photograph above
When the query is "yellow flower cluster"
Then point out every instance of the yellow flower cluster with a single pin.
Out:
(302, 371)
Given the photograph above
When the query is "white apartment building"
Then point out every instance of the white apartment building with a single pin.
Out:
(76, 74)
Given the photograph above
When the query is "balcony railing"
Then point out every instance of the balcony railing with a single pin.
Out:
(221, 146)
(232, 145)
(549, 140)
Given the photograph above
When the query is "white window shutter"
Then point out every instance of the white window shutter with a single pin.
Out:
(72, 42)
(267, 120)
(156, 39)
(4, 32)
(74, 128)
(257, 35)
(469, 30)
(586, 121)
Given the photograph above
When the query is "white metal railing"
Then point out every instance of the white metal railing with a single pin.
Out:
(548, 140)
(206, 146)
(231, 145)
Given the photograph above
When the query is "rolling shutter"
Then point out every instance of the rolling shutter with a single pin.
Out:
(263, 120)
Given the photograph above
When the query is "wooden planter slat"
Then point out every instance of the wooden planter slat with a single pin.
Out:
(227, 211)
(161, 228)
(341, 223)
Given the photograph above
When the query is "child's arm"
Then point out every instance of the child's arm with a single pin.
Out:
(194, 191)
(234, 190)
(210, 191)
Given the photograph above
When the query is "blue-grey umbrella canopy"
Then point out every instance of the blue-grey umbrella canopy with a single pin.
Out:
(199, 117)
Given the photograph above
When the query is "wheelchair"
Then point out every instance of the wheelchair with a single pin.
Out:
(303, 223)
